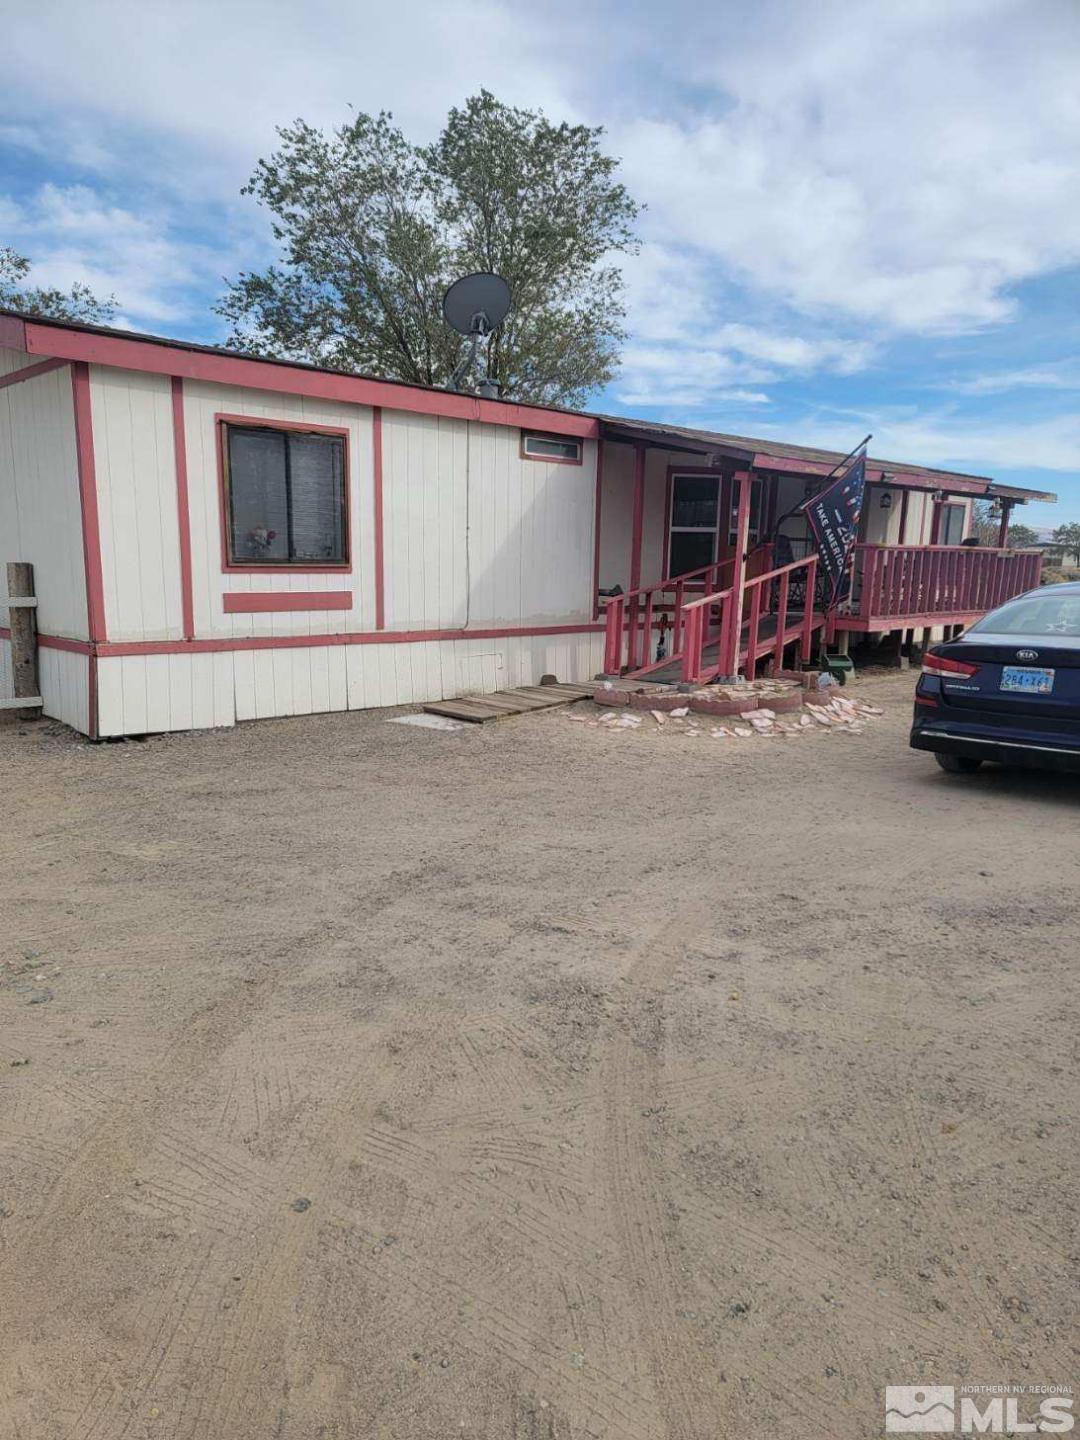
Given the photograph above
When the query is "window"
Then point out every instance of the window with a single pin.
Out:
(952, 524)
(1047, 614)
(695, 514)
(284, 497)
(551, 447)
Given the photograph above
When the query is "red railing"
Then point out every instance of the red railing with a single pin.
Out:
(632, 619)
(712, 620)
(935, 582)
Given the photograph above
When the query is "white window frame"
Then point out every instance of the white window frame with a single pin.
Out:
(674, 529)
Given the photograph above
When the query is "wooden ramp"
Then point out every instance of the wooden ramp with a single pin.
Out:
(519, 701)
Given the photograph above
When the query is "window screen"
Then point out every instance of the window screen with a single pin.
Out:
(286, 494)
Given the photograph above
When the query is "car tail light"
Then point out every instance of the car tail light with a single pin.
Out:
(946, 669)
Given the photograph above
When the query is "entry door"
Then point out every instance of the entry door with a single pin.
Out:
(695, 522)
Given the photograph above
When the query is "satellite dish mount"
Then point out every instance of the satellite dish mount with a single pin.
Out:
(475, 306)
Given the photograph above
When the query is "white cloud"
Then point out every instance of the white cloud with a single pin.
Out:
(957, 442)
(71, 234)
(1040, 377)
(902, 163)
(819, 176)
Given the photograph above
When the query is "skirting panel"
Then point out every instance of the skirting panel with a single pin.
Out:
(146, 694)
(64, 678)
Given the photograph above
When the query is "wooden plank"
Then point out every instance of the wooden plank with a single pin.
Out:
(508, 704)
(459, 710)
(538, 692)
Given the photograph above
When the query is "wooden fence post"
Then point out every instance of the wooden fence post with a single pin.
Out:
(23, 638)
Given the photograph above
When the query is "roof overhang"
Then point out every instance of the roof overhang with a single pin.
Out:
(659, 438)
(756, 455)
(149, 354)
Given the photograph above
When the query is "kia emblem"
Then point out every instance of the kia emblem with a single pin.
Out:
(1027, 654)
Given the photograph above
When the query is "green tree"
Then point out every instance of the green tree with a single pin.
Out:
(1068, 537)
(1022, 537)
(372, 229)
(79, 303)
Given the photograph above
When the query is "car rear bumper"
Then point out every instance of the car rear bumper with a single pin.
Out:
(954, 738)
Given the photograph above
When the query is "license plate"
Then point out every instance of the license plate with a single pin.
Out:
(1027, 681)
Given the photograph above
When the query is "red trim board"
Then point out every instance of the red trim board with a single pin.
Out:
(88, 500)
(30, 372)
(13, 333)
(54, 642)
(112, 649)
(240, 602)
(301, 642)
(161, 358)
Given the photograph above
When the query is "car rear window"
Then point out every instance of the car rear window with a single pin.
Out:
(1047, 614)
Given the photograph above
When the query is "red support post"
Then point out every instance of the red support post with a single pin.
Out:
(692, 652)
(1003, 528)
(808, 609)
(635, 550)
(781, 619)
(639, 516)
(731, 634)
(752, 633)
(613, 635)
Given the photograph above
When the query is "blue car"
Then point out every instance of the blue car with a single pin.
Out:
(1007, 689)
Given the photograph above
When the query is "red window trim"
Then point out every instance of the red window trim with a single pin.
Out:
(249, 602)
(229, 567)
(554, 440)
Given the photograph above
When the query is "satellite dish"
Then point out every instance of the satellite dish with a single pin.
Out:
(477, 304)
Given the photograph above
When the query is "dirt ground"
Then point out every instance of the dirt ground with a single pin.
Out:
(528, 1082)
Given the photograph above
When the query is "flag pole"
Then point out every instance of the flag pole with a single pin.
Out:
(848, 456)
(839, 466)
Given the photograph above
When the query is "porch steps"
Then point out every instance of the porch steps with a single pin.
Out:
(478, 709)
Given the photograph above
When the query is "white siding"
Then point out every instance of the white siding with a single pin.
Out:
(12, 360)
(65, 686)
(40, 517)
(177, 692)
(530, 533)
(62, 682)
(425, 521)
(136, 480)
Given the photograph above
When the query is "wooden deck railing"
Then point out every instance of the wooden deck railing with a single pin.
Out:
(631, 620)
(711, 620)
(943, 583)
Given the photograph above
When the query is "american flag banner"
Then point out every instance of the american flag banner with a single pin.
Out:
(833, 517)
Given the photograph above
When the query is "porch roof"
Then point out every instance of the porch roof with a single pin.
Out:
(806, 460)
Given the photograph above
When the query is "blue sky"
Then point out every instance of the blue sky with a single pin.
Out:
(861, 216)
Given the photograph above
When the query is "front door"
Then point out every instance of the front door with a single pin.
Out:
(694, 522)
